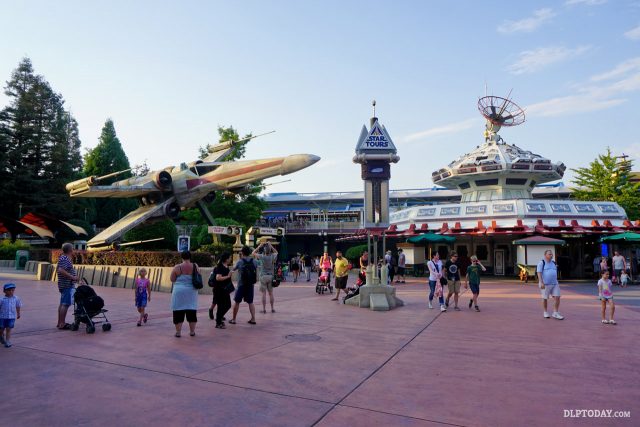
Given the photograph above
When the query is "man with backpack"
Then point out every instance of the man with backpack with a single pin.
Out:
(248, 270)
(548, 284)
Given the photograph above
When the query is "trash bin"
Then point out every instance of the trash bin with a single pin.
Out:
(21, 259)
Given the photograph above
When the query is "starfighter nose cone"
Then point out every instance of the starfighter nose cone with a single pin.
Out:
(296, 162)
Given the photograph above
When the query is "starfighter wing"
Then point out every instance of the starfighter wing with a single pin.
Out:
(113, 233)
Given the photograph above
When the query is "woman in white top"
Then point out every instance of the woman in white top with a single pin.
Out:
(435, 274)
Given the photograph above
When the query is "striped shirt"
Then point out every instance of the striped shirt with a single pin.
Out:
(65, 264)
(8, 307)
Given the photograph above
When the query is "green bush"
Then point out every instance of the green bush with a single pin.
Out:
(216, 249)
(164, 228)
(137, 258)
(353, 254)
(8, 248)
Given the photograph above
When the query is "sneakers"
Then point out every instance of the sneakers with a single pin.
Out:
(477, 308)
(557, 315)
(446, 304)
(430, 306)
(211, 313)
(443, 308)
(546, 315)
(145, 318)
(456, 308)
(7, 343)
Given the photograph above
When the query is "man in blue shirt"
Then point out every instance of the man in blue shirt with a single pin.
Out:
(548, 283)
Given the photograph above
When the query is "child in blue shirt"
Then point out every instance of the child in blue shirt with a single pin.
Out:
(9, 312)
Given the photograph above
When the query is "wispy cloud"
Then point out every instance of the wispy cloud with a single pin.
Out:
(450, 128)
(584, 2)
(534, 60)
(603, 91)
(528, 24)
(633, 34)
(621, 69)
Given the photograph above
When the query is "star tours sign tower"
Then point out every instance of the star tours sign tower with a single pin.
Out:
(375, 152)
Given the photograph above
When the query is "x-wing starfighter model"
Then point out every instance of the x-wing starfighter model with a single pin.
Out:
(165, 192)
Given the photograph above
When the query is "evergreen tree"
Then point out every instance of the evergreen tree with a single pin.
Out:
(40, 147)
(607, 179)
(107, 157)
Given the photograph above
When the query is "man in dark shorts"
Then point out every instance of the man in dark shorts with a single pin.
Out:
(244, 291)
(452, 273)
(67, 277)
(341, 270)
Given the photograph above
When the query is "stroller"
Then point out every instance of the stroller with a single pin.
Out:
(324, 282)
(353, 291)
(87, 305)
(280, 273)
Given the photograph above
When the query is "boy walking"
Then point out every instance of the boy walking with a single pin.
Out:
(473, 280)
(9, 311)
(453, 275)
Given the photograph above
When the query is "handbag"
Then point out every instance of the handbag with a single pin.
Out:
(196, 278)
(229, 287)
(275, 283)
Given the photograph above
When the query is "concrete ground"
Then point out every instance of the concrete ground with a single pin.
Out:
(318, 362)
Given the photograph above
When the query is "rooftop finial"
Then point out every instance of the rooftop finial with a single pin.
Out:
(373, 103)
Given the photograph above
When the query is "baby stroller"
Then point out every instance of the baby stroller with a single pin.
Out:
(87, 306)
(353, 291)
(324, 282)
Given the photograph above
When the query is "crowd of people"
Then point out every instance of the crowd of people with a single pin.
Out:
(260, 266)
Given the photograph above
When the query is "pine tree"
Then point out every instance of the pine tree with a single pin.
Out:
(607, 179)
(107, 157)
(41, 147)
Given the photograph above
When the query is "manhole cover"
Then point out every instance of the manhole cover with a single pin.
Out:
(303, 337)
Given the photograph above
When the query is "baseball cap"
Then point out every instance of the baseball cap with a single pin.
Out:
(9, 286)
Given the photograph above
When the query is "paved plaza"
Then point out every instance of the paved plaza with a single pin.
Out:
(317, 362)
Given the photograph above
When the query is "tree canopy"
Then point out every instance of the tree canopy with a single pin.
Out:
(107, 157)
(39, 148)
(607, 179)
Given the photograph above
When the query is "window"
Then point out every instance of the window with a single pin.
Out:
(476, 209)
(583, 207)
(502, 208)
(464, 185)
(485, 182)
(516, 181)
(536, 207)
(427, 212)
(482, 252)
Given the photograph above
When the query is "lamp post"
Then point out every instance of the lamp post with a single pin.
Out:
(323, 235)
(19, 210)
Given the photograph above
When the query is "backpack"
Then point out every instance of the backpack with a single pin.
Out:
(248, 272)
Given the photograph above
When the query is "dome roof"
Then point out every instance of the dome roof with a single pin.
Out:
(500, 159)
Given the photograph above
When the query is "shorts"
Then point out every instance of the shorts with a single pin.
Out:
(66, 296)
(606, 298)
(400, 271)
(475, 288)
(141, 300)
(454, 286)
(7, 323)
(244, 292)
(266, 283)
(179, 315)
(550, 290)
(617, 273)
(341, 282)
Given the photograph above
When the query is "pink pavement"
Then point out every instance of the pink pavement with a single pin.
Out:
(504, 366)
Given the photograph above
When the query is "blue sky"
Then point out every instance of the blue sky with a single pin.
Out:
(168, 73)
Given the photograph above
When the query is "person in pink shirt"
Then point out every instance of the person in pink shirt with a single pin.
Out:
(142, 294)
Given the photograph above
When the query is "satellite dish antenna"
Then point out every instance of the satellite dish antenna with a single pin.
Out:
(499, 112)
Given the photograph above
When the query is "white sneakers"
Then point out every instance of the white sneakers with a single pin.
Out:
(430, 306)
(443, 308)
(555, 315)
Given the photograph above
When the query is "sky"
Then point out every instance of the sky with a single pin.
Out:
(169, 73)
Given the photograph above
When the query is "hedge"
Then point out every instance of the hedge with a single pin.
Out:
(137, 258)
(353, 254)
(8, 248)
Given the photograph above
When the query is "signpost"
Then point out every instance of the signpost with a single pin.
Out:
(375, 152)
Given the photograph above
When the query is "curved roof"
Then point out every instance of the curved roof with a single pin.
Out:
(498, 159)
